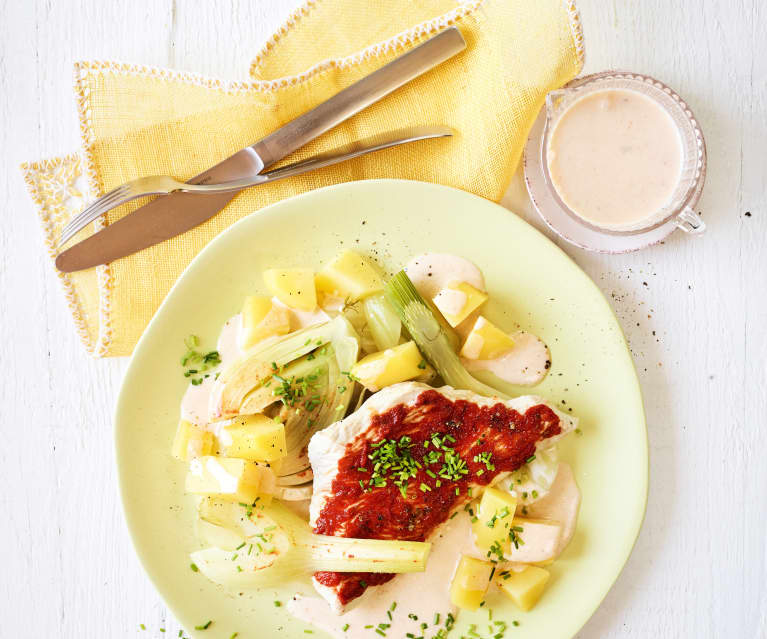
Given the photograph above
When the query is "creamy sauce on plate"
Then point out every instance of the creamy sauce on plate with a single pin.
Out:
(422, 594)
(194, 405)
(431, 272)
(526, 364)
(615, 158)
(426, 593)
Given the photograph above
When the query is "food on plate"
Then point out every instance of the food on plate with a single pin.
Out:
(382, 321)
(486, 341)
(191, 441)
(262, 318)
(279, 546)
(228, 478)
(254, 437)
(412, 455)
(339, 439)
(492, 522)
(470, 583)
(533, 540)
(457, 301)
(396, 364)
(294, 287)
(349, 275)
(524, 586)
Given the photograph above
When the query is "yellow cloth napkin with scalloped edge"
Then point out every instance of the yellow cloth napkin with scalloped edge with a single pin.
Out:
(144, 121)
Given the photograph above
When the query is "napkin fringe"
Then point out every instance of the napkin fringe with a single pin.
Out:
(34, 173)
(104, 271)
(576, 28)
(402, 40)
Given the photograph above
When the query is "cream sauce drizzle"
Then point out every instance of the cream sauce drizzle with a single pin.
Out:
(302, 319)
(431, 272)
(194, 405)
(526, 364)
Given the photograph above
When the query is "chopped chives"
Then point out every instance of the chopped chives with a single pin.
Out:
(203, 626)
(194, 567)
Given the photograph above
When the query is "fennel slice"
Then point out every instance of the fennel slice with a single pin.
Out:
(256, 366)
(431, 337)
(295, 552)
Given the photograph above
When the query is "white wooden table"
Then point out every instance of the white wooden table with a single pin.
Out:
(694, 311)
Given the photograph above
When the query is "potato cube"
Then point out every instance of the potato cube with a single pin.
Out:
(457, 301)
(470, 582)
(494, 520)
(534, 540)
(388, 367)
(524, 587)
(254, 437)
(486, 341)
(261, 319)
(232, 479)
(191, 441)
(294, 287)
(349, 275)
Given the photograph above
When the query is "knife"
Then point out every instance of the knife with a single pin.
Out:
(171, 215)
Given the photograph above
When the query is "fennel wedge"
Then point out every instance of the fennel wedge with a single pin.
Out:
(298, 379)
(431, 337)
(284, 549)
(256, 366)
(383, 321)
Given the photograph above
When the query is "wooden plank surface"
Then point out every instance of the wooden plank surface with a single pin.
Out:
(694, 312)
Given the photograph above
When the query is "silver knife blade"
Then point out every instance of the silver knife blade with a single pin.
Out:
(171, 215)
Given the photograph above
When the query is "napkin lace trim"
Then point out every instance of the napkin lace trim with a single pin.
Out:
(398, 42)
(576, 28)
(53, 187)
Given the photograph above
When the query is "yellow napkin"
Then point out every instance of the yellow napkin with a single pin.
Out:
(143, 121)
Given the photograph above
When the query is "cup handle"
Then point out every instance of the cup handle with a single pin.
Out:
(689, 222)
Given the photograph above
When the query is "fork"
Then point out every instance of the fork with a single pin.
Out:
(165, 184)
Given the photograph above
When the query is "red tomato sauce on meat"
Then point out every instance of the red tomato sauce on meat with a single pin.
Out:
(489, 439)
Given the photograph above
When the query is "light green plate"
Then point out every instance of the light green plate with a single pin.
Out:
(531, 283)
